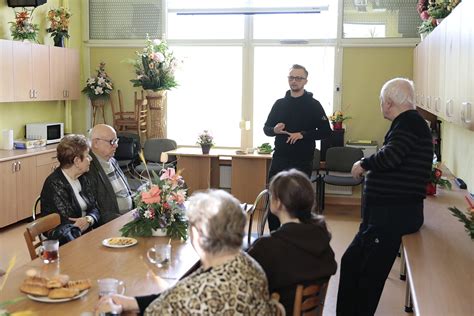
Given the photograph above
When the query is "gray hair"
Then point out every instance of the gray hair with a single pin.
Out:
(400, 91)
(219, 218)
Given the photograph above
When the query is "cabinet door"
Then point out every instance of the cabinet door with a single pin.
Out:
(73, 74)
(452, 100)
(26, 189)
(8, 198)
(57, 59)
(40, 72)
(45, 165)
(22, 71)
(6, 71)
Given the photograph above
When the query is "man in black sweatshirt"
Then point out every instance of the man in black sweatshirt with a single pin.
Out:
(395, 187)
(296, 121)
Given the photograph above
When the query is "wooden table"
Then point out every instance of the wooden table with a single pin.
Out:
(440, 259)
(86, 257)
(249, 171)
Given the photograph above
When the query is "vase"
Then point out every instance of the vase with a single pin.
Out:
(205, 149)
(156, 104)
(160, 232)
(58, 40)
(430, 189)
(337, 125)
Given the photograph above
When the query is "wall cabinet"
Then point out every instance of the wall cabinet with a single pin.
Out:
(444, 68)
(33, 72)
(30, 72)
(64, 70)
(18, 189)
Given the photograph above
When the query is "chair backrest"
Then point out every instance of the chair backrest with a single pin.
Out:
(155, 146)
(258, 212)
(142, 124)
(128, 146)
(275, 300)
(341, 159)
(309, 300)
(36, 228)
(36, 207)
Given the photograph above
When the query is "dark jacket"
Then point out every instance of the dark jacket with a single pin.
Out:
(295, 254)
(102, 189)
(57, 196)
(302, 114)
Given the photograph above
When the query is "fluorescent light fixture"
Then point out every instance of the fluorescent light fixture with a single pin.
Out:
(249, 11)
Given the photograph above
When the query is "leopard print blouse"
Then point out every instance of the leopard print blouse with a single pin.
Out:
(238, 287)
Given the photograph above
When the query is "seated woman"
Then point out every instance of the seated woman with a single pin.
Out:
(299, 251)
(229, 282)
(67, 192)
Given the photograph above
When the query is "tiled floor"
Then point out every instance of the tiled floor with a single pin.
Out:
(343, 222)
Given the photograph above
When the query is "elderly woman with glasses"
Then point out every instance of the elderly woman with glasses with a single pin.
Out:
(229, 282)
(67, 192)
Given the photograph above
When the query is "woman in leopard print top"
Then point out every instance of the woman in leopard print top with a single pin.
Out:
(229, 282)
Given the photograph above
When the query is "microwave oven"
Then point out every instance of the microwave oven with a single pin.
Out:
(52, 132)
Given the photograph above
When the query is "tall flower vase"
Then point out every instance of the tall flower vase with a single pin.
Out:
(156, 104)
(58, 40)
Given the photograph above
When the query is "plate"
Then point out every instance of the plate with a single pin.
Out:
(45, 299)
(119, 242)
(264, 152)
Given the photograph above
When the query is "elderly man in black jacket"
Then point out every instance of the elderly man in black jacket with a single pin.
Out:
(109, 184)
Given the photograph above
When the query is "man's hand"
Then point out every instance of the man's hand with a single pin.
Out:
(80, 222)
(357, 170)
(294, 137)
(279, 129)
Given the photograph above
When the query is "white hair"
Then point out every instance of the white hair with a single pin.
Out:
(400, 91)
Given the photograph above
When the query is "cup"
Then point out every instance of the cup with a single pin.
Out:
(50, 251)
(161, 256)
(250, 150)
(110, 286)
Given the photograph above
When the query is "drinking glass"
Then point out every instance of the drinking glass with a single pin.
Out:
(110, 286)
(161, 256)
(50, 251)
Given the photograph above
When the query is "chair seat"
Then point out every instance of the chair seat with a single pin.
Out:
(157, 167)
(341, 181)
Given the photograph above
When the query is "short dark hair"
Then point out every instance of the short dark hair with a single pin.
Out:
(70, 147)
(296, 66)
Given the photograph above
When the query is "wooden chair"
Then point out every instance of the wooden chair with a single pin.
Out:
(126, 120)
(258, 212)
(36, 228)
(36, 207)
(275, 300)
(309, 300)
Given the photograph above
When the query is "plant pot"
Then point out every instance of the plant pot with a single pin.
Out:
(58, 41)
(430, 189)
(337, 125)
(205, 149)
(157, 106)
(160, 232)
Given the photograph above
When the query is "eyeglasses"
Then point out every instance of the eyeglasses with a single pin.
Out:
(112, 142)
(291, 78)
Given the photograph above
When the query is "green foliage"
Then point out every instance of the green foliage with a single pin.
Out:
(466, 218)
(265, 148)
(427, 26)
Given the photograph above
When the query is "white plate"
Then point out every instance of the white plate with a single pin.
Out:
(45, 299)
(106, 242)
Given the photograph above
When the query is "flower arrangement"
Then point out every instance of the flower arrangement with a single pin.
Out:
(435, 178)
(155, 66)
(59, 22)
(160, 205)
(100, 86)
(205, 139)
(431, 10)
(23, 27)
(338, 117)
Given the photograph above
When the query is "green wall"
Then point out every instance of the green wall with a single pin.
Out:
(364, 71)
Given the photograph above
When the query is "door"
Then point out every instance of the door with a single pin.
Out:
(73, 74)
(40, 72)
(57, 59)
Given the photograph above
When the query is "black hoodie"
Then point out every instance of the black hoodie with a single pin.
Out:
(294, 254)
(302, 114)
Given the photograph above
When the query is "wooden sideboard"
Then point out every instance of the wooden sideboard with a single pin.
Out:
(22, 174)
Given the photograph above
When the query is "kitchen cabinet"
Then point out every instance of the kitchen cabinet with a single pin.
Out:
(18, 189)
(30, 71)
(64, 70)
(45, 165)
(6, 71)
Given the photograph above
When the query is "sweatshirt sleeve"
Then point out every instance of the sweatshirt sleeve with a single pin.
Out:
(271, 121)
(322, 129)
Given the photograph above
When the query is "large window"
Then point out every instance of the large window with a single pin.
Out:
(233, 72)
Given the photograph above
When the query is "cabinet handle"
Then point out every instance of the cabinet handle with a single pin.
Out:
(19, 165)
(31, 94)
(14, 167)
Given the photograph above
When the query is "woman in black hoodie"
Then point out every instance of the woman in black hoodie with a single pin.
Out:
(299, 251)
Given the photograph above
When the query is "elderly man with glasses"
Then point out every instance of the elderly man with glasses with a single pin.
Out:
(110, 185)
(296, 121)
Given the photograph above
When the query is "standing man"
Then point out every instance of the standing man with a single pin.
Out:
(296, 121)
(110, 185)
(395, 186)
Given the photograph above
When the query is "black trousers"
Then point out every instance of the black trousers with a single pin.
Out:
(279, 164)
(369, 258)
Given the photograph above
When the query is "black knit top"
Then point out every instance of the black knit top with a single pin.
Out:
(399, 171)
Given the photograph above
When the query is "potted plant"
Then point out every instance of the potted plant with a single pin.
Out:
(206, 140)
(436, 180)
(337, 118)
(59, 25)
(100, 86)
(23, 28)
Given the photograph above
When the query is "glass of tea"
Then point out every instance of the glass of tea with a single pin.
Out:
(110, 286)
(50, 251)
(160, 255)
